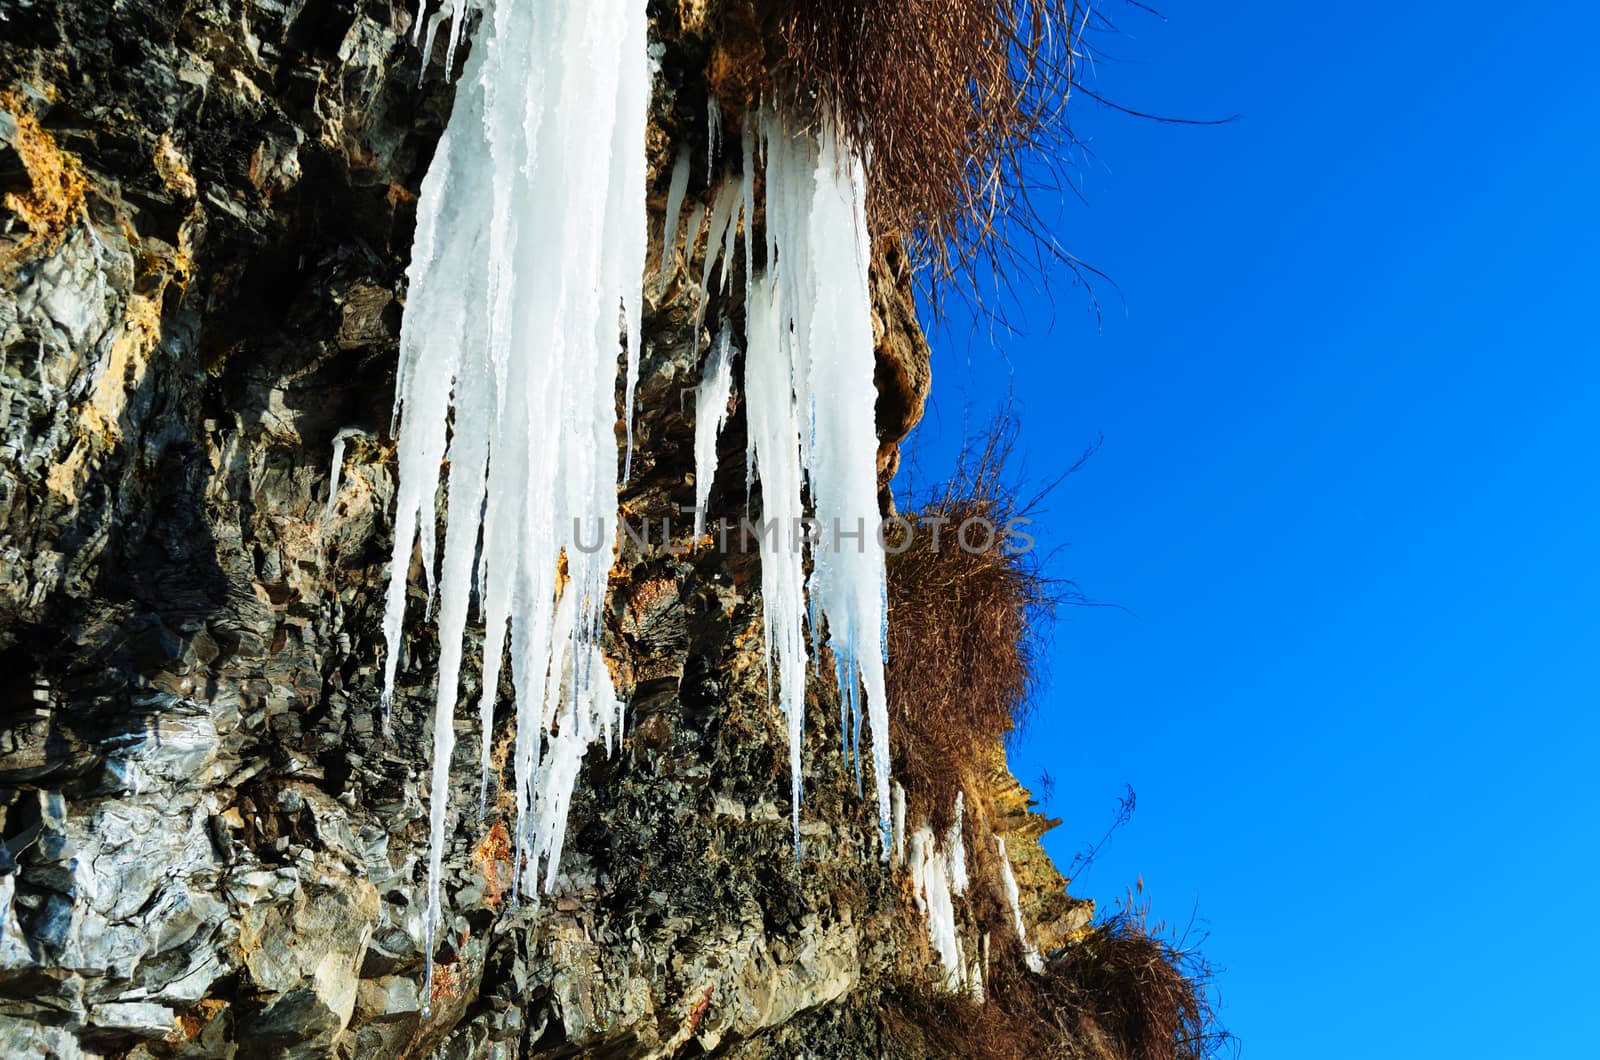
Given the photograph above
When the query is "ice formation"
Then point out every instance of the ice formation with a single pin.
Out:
(930, 881)
(526, 283)
(337, 470)
(710, 412)
(818, 253)
(938, 877)
(773, 453)
(809, 400)
(525, 286)
(899, 801)
(1013, 898)
(669, 235)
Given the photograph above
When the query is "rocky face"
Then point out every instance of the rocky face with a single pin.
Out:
(213, 839)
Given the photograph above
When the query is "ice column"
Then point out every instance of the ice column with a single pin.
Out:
(525, 292)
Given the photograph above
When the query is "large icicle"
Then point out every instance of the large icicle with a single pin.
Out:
(774, 454)
(530, 248)
(710, 412)
(848, 585)
(810, 348)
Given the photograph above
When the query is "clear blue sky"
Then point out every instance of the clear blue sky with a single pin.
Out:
(1350, 396)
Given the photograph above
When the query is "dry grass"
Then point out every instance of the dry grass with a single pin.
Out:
(966, 628)
(922, 1023)
(1143, 991)
(949, 97)
(1128, 991)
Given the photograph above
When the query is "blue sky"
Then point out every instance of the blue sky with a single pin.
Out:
(1350, 395)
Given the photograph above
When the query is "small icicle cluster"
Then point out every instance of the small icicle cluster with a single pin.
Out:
(525, 288)
(810, 406)
(939, 876)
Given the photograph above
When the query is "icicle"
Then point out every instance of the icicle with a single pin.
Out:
(1014, 899)
(809, 341)
(848, 579)
(930, 889)
(729, 238)
(747, 199)
(710, 412)
(337, 469)
(669, 234)
(773, 452)
(691, 236)
(426, 31)
(422, 384)
(469, 451)
(713, 129)
(899, 824)
(846, 710)
(458, 32)
(724, 218)
(530, 248)
(333, 477)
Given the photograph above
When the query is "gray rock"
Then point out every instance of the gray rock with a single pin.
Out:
(22, 1038)
(136, 1018)
(212, 840)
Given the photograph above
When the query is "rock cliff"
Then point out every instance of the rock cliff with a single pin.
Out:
(212, 843)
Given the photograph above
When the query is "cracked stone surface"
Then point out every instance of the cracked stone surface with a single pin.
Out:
(212, 844)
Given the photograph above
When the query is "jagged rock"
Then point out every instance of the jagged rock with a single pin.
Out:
(29, 1038)
(307, 954)
(212, 835)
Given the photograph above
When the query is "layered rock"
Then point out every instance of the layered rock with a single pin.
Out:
(212, 840)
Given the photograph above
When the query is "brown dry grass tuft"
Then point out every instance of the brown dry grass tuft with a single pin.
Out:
(921, 1023)
(1143, 990)
(1127, 991)
(966, 627)
(949, 97)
